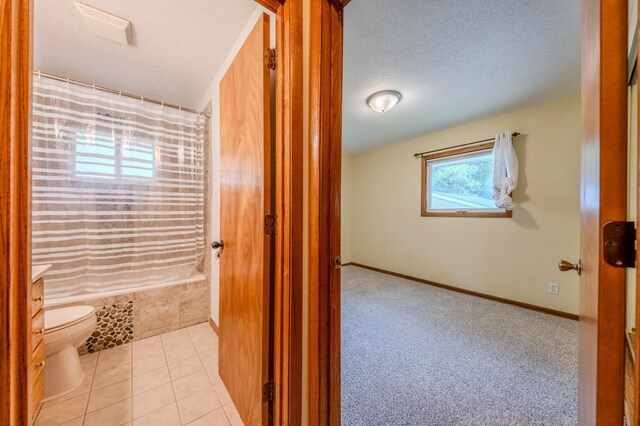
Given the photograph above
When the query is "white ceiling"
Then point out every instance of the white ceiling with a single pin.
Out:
(453, 61)
(178, 45)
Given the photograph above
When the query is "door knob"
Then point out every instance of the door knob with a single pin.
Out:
(218, 245)
(564, 265)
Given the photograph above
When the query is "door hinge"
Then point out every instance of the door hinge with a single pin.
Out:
(270, 224)
(619, 244)
(270, 58)
(267, 391)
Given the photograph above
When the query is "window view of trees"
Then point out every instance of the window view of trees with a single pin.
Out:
(472, 176)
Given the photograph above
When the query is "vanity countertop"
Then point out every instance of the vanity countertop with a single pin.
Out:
(38, 271)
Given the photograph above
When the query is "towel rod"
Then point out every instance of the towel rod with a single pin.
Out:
(422, 154)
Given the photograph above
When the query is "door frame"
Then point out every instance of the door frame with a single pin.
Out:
(323, 191)
(16, 19)
(15, 212)
(601, 372)
(325, 128)
(289, 180)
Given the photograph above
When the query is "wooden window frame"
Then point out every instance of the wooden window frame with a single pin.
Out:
(424, 187)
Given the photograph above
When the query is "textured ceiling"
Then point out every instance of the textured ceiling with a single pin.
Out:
(178, 45)
(453, 61)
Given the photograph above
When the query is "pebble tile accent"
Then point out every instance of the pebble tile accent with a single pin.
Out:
(114, 327)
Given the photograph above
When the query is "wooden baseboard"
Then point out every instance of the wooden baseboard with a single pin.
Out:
(470, 292)
(214, 326)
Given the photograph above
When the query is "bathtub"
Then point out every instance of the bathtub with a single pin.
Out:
(137, 312)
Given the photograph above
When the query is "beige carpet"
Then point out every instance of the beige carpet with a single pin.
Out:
(413, 354)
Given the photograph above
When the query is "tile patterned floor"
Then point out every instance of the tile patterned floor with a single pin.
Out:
(164, 380)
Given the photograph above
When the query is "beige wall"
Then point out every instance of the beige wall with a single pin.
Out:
(514, 258)
(345, 208)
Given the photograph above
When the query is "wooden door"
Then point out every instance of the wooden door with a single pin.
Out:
(603, 199)
(245, 200)
(632, 372)
(633, 275)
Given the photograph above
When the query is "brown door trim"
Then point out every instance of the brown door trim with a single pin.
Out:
(287, 326)
(15, 217)
(324, 211)
(272, 5)
(289, 208)
(324, 169)
(341, 3)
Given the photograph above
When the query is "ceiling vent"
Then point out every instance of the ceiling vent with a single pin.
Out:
(105, 25)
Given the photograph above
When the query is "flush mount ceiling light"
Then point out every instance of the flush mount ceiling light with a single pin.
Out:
(384, 100)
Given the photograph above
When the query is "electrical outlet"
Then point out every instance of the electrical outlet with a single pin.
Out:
(554, 288)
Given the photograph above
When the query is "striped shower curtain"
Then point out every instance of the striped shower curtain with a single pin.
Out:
(117, 190)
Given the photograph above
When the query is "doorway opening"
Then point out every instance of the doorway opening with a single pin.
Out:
(442, 201)
(150, 144)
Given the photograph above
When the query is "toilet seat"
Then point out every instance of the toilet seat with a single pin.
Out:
(58, 319)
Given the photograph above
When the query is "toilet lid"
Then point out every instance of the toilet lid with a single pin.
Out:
(64, 317)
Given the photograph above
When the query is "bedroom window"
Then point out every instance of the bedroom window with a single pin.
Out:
(459, 183)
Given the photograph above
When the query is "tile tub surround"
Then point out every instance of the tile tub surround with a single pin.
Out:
(155, 311)
(170, 379)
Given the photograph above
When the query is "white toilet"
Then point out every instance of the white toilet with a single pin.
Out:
(66, 329)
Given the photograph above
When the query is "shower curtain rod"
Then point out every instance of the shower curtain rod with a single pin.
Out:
(422, 154)
(119, 92)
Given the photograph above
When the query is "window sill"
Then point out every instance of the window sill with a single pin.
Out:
(506, 213)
